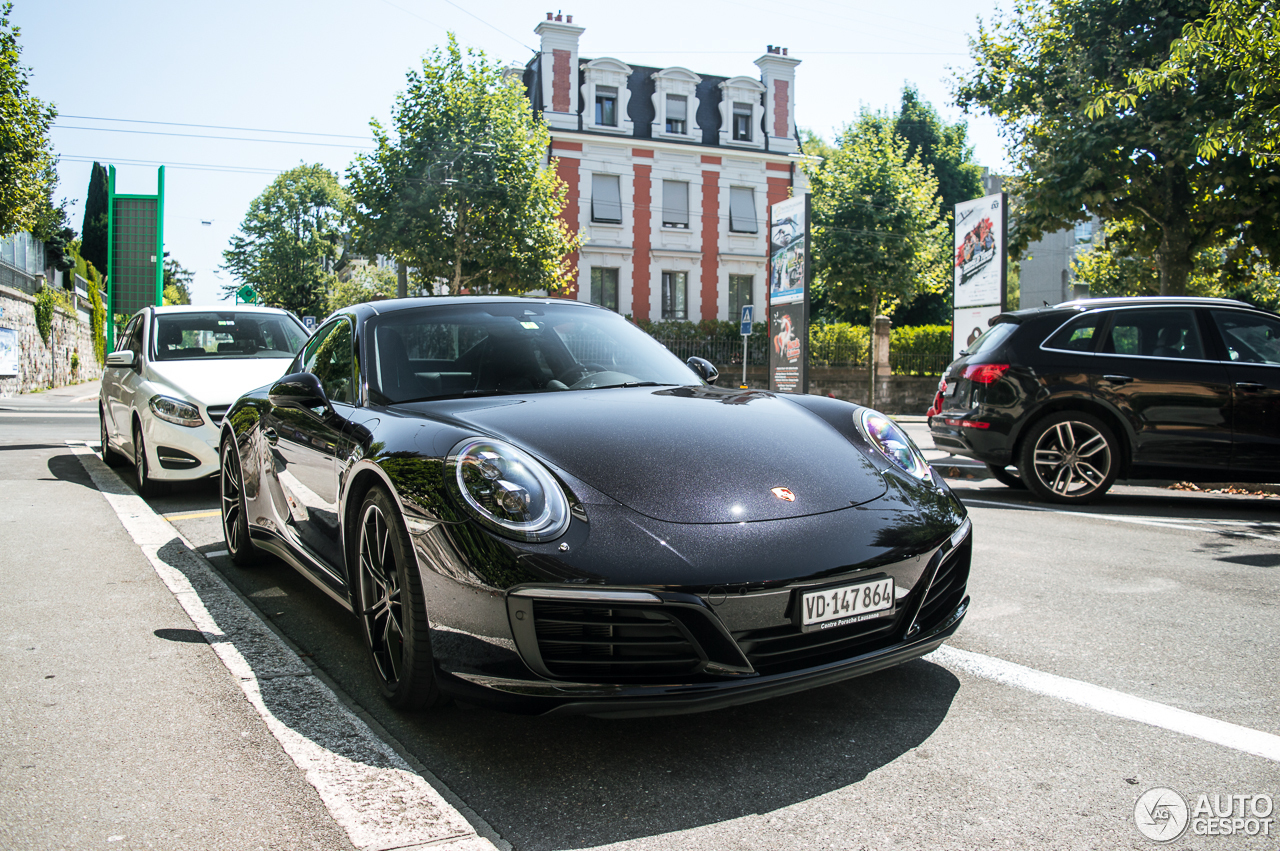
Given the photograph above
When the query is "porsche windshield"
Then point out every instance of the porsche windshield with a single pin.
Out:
(504, 347)
(227, 334)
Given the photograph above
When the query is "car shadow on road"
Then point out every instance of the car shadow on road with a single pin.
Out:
(578, 782)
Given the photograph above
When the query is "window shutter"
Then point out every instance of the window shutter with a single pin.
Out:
(677, 108)
(742, 210)
(675, 202)
(606, 198)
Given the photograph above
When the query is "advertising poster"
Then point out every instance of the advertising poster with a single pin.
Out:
(788, 338)
(968, 324)
(8, 352)
(980, 252)
(788, 250)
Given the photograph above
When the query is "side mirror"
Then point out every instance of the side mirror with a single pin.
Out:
(299, 390)
(704, 368)
(122, 358)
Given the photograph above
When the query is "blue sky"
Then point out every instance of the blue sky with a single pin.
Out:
(321, 69)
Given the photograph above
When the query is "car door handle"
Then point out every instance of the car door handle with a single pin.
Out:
(1117, 379)
(270, 435)
(1250, 386)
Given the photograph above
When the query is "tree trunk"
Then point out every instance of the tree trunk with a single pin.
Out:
(1173, 257)
(871, 348)
(457, 250)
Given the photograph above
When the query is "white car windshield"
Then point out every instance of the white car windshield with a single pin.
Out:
(226, 334)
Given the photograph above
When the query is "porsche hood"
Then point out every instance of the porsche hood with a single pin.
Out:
(690, 455)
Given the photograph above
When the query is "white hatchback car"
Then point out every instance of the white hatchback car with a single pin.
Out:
(175, 373)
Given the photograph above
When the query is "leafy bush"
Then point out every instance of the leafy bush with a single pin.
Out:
(921, 340)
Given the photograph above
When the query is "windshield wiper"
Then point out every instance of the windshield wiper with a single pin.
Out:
(631, 384)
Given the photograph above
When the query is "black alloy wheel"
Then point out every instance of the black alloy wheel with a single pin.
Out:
(109, 456)
(147, 486)
(1069, 457)
(390, 605)
(1006, 477)
(235, 519)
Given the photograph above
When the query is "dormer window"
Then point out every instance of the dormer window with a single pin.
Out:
(677, 114)
(741, 122)
(607, 106)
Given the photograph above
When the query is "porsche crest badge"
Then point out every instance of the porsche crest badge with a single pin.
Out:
(784, 494)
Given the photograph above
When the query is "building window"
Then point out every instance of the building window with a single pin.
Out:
(604, 288)
(740, 290)
(606, 199)
(742, 210)
(741, 122)
(675, 292)
(607, 106)
(677, 113)
(675, 204)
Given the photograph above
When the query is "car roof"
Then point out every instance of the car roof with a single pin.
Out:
(215, 308)
(1084, 304)
(393, 304)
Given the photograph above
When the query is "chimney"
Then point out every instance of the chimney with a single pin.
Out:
(778, 73)
(558, 70)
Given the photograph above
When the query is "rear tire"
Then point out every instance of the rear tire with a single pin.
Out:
(1069, 457)
(109, 456)
(1006, 478)
(235, 518)
(389, 602)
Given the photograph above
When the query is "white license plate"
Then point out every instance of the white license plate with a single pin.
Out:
(846, 604)
(952, 388)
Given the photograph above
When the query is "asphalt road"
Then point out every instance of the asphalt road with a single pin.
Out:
(1166, 596)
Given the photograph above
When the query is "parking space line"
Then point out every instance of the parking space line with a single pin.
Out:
(367, 787)
(1116, 518)
(1111, 702)
(192, 515)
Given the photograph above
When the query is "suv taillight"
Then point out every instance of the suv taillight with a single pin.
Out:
(985, 373)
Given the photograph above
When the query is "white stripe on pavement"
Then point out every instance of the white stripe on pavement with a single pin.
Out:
(1111, 702)
(368, 788)
(1120, 518)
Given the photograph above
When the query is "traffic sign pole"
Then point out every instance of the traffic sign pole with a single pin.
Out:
(748, 312)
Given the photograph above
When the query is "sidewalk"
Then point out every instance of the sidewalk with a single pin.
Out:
(121, 728)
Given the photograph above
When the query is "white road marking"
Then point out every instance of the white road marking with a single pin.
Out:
(44, 414)
(216, 553)
(368, 788)
(1111, 702)
(1183, 524)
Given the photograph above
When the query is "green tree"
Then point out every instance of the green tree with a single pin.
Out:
(364, 283)
(27, 162)
(461, 193)
(93, 231)
(1242, 39)
(289, 240)
(878, 238)
(1049, 72)
(177, 282)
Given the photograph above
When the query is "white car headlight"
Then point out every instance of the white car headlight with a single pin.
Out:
(176, 411)
(507, 490)
(887, 436)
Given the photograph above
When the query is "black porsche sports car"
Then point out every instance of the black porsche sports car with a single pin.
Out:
(534, 505)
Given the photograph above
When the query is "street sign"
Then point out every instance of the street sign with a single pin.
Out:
(748, 312)
(246, 295)
(310, 322)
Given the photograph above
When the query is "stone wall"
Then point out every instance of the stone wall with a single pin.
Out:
(895, 394)
(39, 365)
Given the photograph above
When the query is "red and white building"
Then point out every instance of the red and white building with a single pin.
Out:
(670, 174)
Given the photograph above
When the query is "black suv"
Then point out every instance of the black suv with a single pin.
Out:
(1082, 393)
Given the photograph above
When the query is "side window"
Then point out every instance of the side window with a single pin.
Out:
(123, 341)
(134, 340)
(1078, 335)
(1249, 337)
(1168, 332)
(329, 357)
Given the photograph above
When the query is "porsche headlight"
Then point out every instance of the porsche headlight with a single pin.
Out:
(507, 490)
(176, 411)
(890, 439)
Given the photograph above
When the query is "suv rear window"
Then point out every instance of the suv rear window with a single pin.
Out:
(1078, 335)
(992, 337)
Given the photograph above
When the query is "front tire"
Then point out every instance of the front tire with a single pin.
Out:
(1006, 478)
(389, 602)
(1069, 457)
(235, 518)
(147, 486)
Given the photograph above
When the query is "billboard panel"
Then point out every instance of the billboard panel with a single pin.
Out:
(8, 352)
(968, 324)
(788, 353)
(788, 250)
(980, 250)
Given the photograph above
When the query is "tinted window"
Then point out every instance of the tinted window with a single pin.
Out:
(226, 334)
(1250, 338)
(329, 358)
(1168, 332)
(992, 337)
(1078, 335)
